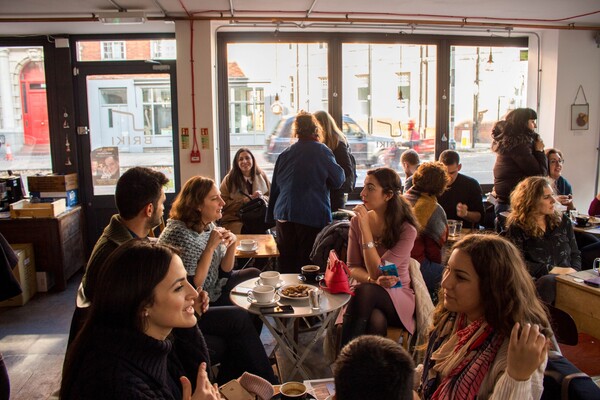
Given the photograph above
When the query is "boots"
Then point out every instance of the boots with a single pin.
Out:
(352, 327)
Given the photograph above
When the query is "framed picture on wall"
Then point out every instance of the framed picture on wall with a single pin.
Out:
(580, 117)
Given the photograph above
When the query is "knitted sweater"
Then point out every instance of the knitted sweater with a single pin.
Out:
(120, 364)
(434, 224)
(192, 245)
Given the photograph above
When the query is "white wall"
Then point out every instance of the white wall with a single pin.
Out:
(570, 59)
(204, 94)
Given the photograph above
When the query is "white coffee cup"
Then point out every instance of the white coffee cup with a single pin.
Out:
(263, 293)
(269, 278)
(247, 244)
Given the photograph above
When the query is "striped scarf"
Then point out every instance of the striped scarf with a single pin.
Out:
(458, 358)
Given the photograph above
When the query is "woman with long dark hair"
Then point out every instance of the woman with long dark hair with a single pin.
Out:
(519, 154)
(140, 340)
(384, 229)
(337, 143)
(244, 181)
(489, 333)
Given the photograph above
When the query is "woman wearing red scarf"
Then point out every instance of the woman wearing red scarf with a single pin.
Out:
(489, 334)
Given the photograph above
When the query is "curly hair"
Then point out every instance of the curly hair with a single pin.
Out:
(332, 135)
(192, 195)
(431, 178)
(508, 292)
(236, 177)
(524, 202)
(306, 126)
(398, 208)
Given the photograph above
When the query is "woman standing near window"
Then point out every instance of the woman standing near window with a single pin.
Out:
(337, 143)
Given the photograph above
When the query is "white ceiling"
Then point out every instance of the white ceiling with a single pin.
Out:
(531, 12)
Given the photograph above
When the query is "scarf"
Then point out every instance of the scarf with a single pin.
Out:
(430, 215)
(458, 358)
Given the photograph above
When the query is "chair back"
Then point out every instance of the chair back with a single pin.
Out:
(563, 326)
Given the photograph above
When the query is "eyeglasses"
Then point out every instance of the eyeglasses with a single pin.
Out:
(561, 162)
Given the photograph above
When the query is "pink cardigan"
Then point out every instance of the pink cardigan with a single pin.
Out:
(594, 207)
(404, 297)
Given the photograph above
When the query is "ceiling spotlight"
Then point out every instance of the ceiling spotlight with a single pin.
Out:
(122, 17)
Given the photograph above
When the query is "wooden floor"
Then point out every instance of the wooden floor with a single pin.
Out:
(33, 339)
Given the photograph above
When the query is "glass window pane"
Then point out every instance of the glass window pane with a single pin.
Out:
(485, 84)
(148, 49)
(24, 130)
(130, 125)
(266, 92)
(388, 89)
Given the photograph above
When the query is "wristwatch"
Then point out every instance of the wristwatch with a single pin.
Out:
(368, 245)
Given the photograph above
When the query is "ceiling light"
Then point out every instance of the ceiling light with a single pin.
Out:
(121, 18)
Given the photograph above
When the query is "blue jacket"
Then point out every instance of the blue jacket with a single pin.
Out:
(304, 174)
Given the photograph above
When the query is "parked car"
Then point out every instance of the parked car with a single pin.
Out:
(367, 149)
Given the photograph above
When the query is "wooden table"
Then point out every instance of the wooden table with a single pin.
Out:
(580, 300)
(267, 247)
(283, 332)
(58, 243)
(463, 232)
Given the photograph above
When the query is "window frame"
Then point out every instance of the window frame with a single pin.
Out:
(334, 43)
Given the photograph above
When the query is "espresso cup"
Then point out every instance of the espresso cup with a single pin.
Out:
(263, 293)
(310, 272)
(269, 278)
(293, 391)
(247, 244)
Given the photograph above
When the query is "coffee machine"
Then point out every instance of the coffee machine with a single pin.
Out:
(13, 188)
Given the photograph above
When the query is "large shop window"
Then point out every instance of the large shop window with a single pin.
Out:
(388, 94)
(24, 129)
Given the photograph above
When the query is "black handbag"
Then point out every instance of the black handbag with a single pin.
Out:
(252, 214)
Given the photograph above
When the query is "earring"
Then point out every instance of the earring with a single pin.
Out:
(146, 314)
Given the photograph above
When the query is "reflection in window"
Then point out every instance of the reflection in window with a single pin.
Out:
(485, 84)
(157, 111)
(24, 127)
(163, 49)
(113, 51)
(113, 96)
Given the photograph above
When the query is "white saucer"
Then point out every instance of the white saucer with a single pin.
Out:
(239, 248)
(277, 286)
(253, 301)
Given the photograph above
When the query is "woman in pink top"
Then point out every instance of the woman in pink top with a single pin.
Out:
(384, 229)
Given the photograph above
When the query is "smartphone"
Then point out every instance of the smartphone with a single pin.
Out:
(284, 309)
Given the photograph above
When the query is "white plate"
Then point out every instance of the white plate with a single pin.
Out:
(254, 302)
(280, 291)
(239, 248)
(259, 282)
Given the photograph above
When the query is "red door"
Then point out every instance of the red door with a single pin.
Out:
(35, 106)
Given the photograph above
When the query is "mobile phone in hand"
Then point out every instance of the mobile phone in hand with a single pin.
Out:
(284, 309)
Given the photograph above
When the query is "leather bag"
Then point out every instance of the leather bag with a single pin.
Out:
(252, 214)
(337, 275)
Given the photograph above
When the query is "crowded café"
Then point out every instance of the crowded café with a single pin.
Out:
(252, 199)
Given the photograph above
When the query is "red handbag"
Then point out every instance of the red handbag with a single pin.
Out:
(337, 275)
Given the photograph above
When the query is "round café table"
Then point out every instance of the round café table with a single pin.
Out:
(279, 324)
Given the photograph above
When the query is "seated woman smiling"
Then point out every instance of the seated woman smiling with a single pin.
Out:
(140, 340)
(489, 334)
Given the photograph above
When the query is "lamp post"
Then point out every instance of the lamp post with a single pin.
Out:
(476, 100)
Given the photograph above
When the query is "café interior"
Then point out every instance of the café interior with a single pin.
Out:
(181, 85)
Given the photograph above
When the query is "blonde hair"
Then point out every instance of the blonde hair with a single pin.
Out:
(332, 135)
